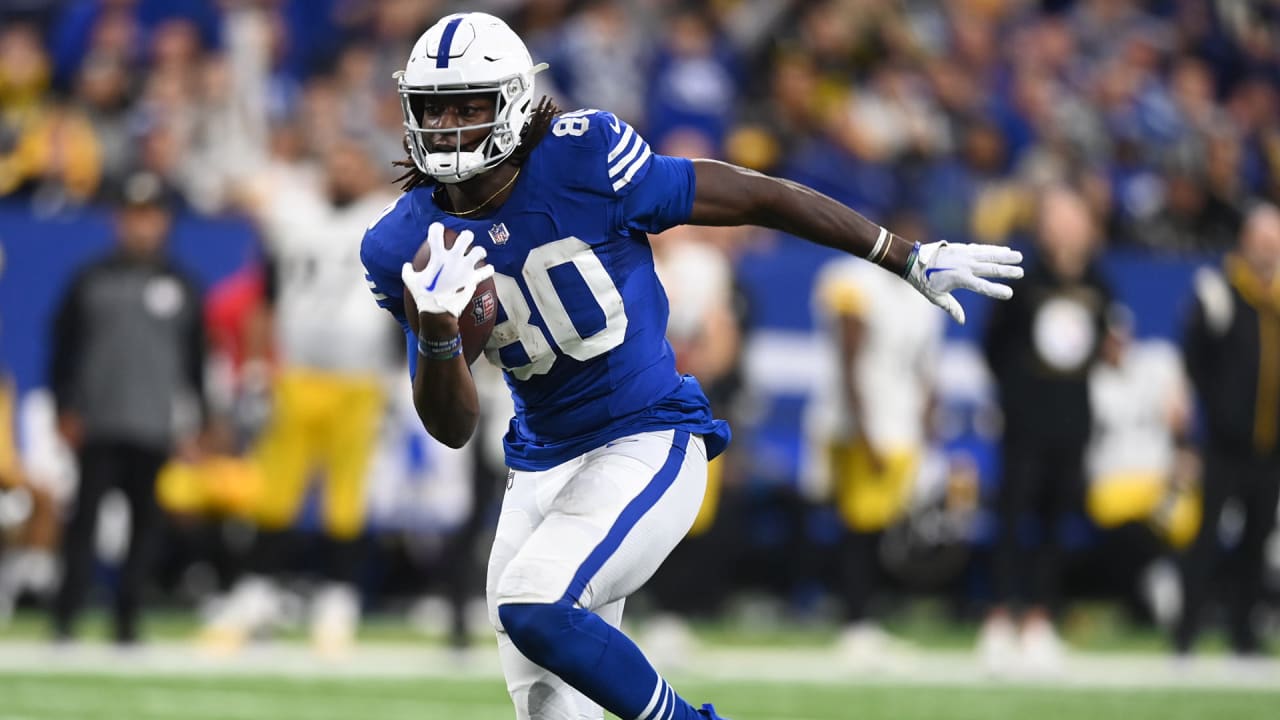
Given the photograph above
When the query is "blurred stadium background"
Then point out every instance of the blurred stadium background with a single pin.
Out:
(254, 121)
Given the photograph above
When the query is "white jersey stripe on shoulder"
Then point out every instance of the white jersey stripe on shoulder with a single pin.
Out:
(631, 172)
(653, 702)
(626, 138)
(379, 296)
(617, 167)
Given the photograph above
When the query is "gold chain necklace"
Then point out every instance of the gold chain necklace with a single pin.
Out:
(487, 200)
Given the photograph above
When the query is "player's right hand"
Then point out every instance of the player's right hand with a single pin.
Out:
(941, 267)
(450, 278)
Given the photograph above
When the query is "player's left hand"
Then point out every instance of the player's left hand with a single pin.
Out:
(941, 267)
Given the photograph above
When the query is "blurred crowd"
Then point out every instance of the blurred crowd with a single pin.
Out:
(1072, 126)
(1164, 112)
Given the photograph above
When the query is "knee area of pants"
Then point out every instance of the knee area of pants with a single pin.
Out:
(537, 629)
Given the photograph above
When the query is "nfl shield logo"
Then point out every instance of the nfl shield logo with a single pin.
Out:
(482, 308)
(498, 233)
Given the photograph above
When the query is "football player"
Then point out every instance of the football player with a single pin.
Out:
(326, 394)
(609, 445)
(27, 556)
(868, 436)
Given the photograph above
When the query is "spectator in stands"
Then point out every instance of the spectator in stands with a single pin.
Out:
(694, 79)
(127, 360)
(103, 94)
(602, 60)
(1254, 110)
(1191, 218)
(1232, 353)
(227, 138)
(121, 27)
(56, 159)
(968, 197)
(24, 71)
(1040, 347)
(37, 12)
(46, 145)
(894, 118)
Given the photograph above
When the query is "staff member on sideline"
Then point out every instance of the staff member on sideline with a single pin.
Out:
(128, 349)
(1232, 353)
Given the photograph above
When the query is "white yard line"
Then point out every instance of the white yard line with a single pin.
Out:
(805, 666)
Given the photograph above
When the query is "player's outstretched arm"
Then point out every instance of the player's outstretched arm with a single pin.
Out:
(444, 394)
(730, 195)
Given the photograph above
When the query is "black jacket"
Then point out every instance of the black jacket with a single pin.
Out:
(127, 349)
(1232, 352)
(1040, 346)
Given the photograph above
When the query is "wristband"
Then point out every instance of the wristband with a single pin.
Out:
(440, 349)
(911, 260)
(881, 248)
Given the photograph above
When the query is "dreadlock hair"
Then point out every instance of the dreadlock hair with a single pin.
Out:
(534, 131)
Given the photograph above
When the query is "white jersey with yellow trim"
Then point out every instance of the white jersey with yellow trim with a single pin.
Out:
(324, 320)
(1132, 406)
(895, 369)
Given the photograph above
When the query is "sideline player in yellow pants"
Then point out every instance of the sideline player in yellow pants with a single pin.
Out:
(334, 350)
(867, 433)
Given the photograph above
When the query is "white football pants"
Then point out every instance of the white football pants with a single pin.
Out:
(593, 529)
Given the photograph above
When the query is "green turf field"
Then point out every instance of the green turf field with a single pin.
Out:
(750, 672)
(87, 697)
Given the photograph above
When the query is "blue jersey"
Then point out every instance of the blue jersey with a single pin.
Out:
(582, 318)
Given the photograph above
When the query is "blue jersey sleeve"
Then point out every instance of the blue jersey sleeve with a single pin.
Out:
(663, 198)
(382, 274)
(655, 192)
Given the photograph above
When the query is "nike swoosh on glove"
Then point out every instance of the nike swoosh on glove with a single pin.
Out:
(450, 278)
(941, 267)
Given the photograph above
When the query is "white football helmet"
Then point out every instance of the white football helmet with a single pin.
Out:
(462, 54)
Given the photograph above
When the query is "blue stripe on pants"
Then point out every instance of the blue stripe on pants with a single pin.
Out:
(630, 515)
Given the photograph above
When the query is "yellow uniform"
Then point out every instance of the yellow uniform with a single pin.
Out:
(1131, 455)
(9, 468)
(321, 422)
(901, 336)
(334, 349)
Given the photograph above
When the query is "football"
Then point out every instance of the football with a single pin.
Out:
(476, 323)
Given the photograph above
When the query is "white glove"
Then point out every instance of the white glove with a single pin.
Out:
(941, 267)
(450, 278)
